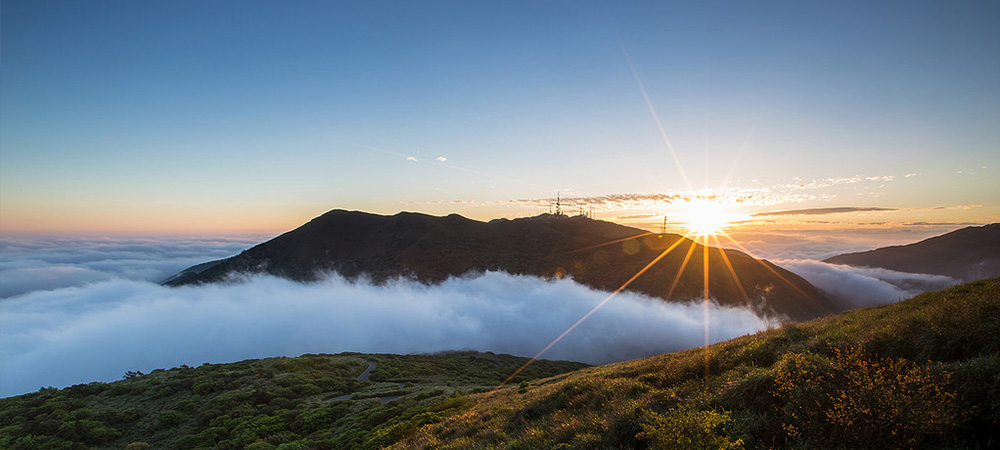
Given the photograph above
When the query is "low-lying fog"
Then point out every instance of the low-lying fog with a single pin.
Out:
(99, 331)
(90, 310)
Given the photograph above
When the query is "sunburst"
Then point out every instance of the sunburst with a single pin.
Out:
(704, 217)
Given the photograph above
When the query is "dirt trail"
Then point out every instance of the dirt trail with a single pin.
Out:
(364, 375)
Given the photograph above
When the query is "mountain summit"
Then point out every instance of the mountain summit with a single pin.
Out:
(599, 254)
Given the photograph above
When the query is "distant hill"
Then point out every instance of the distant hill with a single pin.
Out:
(431, 249)
(967, 254)
(922, 373)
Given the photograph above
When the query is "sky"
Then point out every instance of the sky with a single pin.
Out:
(140, 138)
(811, 120)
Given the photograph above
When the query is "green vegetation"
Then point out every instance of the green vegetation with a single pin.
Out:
(923, 373)
(278, 403)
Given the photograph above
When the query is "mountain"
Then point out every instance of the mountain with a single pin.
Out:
(967, 254)
(595, 253)
(922, 373)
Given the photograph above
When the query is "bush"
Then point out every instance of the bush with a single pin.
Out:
(260, 446)
(857, 401)
(686, 427)
(170, 418)
(293, 446)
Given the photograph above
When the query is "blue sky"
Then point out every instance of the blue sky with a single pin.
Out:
(209, 117)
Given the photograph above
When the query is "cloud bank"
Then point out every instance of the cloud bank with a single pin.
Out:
(28, 265)
(99, 331)
(856, 287)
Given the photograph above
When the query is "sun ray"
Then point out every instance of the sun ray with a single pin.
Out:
(704, 256)
(594, 309)
(591, 247)
(656, 117)
(732, 270)
(775, 272)
(680, 271)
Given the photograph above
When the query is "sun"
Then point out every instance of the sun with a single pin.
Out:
(705, 217)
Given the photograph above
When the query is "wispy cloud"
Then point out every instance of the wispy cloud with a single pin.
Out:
(636, 216)
(797, 191)
(940, 224)
(822, 211)
(939, 208)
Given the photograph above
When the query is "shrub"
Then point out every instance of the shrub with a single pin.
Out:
(624, 432)
(260, 446)
(170, 418)
(292, 446)
(686, 427)
(858, 401)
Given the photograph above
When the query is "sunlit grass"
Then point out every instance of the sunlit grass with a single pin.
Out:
(933, 356)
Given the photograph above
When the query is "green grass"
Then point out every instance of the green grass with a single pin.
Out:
(923, 373)
(281, 403)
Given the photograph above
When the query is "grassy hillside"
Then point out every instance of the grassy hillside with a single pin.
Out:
(313, 401)
(921, 373)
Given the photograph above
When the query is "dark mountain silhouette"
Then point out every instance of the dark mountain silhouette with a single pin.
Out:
(598, 254)
(968, 254)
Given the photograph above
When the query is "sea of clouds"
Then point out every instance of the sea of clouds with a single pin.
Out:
(76, 311)
(855, 287)
(28, 264)
(100, 331)
(851, 287)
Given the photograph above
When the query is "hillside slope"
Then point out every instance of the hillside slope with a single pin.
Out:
(924, 373)
(431, 249)
(313, 401)
(969, 254)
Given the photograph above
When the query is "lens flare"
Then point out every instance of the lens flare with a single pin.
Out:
(706, 217)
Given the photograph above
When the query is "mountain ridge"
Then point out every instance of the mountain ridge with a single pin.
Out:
(595, 253)
(966, 254)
